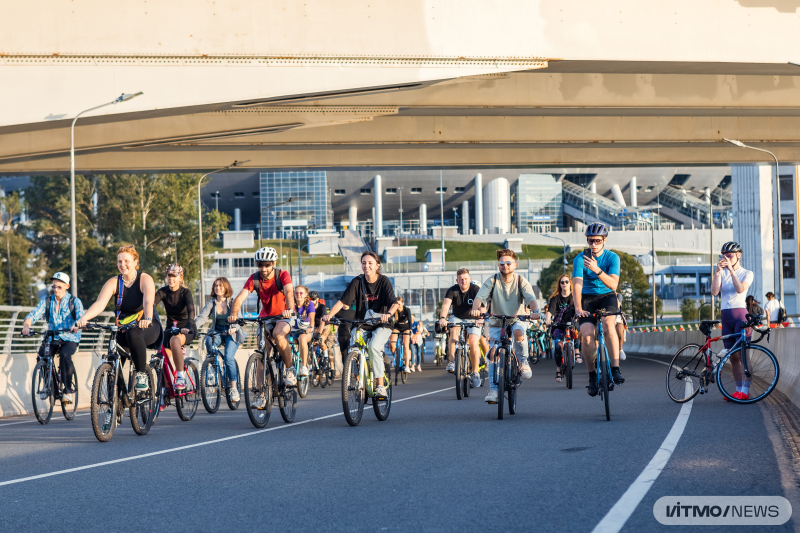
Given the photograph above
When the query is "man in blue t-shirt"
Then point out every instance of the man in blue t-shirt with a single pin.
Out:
(595, 276)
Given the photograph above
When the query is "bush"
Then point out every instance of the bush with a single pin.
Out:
(689, 310)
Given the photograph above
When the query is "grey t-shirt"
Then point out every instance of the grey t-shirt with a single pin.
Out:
(505, 300)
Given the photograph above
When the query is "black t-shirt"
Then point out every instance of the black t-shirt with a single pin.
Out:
(179, 306)
(321, 310)
(462, 301)
(403, 322)
(379, 298)
(559, 303)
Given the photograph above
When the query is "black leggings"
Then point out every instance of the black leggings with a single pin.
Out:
(559, 357)
(66, 349)
(137, 340)
(343, 336)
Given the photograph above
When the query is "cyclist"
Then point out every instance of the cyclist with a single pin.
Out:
(402, 327)
(179, 306)
(320, 329)
(595, 276)
(275, 292)
(563, 311)
(306, 311)
(416, 343)
(373, 296)
(220, 331)
(135, 294)
(506, 293)
(731, 282)
(461, 296)
(61, 310)
(622, 329)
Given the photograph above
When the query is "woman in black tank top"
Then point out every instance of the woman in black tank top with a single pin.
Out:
(138, 304)
(179, 305)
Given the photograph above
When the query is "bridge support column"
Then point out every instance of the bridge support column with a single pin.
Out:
(633, 192)
(479, 204)
(377, 220)
(353, 222)
(423, 219)
(465, 217)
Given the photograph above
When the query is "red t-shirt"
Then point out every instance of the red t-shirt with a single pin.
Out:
(273, 302)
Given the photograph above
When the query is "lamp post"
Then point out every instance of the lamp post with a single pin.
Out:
(72, 232)
(565, 248)
(261, 216)
(441, 212)
(776, 222)
(711, 247)
(200, 227)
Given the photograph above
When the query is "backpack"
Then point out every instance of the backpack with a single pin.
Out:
(781, 315)
(257, 287)
(70, 304)
(491, 292)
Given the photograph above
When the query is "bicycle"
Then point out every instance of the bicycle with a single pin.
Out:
(440, 349)
(506, 374)
(214, 373)
(694, 375)
(322, 374)
(302, 382)
(567, 350)
(263, 376)
(186, 400)
(46, 384)
(463, 364)
(399, 359)
(602, 363)
(536, 347)
(358, 381)
(111, 394)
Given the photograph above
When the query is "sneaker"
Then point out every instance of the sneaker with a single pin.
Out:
(451, 367)
(291, 377)
(142, 383)
(622, 355)
(476, 379)
(407, 370)
(303, 371)
(380, 393)
(593, 389)
(68, 398)
(616, 375)
(412, 369)
(558, 376)
(578, 360)
(419, 368)
(180, 383)
(525, 370)
(491, 397)
(258, 402)
(235, 394)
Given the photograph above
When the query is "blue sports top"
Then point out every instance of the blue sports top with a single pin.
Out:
(608, 263)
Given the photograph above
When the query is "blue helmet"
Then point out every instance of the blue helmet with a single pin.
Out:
(597, 230)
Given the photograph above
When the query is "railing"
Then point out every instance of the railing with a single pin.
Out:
(245, 272)
(536, 265)
(792, 321)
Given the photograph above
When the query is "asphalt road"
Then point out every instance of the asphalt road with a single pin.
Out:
(437, 464)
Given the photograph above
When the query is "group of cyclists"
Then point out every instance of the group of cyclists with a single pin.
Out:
(498, 308)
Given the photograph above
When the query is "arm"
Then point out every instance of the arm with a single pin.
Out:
(148, 287)
(237, 304)
(443, 313)
(332, 312)
(288, 293)
(577, 283)
(740, 286)
(716, 281)
(191, 326)
(205, 312)
(529, 296)
(100, 304)
(34, 315)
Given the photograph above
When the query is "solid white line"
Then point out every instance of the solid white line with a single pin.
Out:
(623, 509)
(34, 420)
(189, 446)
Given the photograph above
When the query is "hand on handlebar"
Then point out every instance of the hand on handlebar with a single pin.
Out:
(326, 318)
(475, 313)
(26, 330)
(287, 313)
(535, 315)
(443, 322)
(385, 317)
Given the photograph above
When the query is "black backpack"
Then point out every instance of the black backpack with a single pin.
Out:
(70, 304)
(257, 287)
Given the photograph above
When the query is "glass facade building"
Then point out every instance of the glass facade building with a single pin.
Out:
(311, 203)
(536, 203)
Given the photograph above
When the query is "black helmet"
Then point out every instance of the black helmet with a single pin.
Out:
(597, 230)
(313, 295)
(731, 247)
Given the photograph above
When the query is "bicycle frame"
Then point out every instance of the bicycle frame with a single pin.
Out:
(171, 374)
(601, 341)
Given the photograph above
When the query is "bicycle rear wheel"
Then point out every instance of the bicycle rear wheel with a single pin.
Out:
(302, 386)
(501, 381)
(403, 374)
(42, 392)
(231, 404)
(353, 397)
(458, 373)
(144, 405)
(604, 378)
(187, 403)
(569, 361)
(257, 383)
(210, 384)
(763, 368)
(684, 373)
(104, 403)
(69, 410)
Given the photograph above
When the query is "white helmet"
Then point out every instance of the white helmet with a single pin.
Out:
(266, 254)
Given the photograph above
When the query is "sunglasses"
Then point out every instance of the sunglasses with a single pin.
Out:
(564, 282)
(501, 263)
(729, 255)
(265, 264)
(594, 241)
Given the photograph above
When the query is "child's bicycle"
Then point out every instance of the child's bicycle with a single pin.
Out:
(214, 381)
(186, 400)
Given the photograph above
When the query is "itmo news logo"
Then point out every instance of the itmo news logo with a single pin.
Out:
(722, 510)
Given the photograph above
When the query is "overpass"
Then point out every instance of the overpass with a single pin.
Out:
(422, 84)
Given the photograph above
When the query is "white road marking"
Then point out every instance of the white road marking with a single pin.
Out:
(623, 509)
(196, 445)
(34, 420)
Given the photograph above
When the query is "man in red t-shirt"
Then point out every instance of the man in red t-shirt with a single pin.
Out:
(274, 302)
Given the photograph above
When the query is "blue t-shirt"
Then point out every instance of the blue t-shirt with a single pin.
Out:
(608, 263)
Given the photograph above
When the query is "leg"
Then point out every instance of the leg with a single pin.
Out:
(558, 351)
(484, 344)
(473, 340)
(175, 344)
(451, 345)
(67, 368)
(406, 348)
(230, 358)
(379, 338)
(393, 342)
(612, 341)
(521, 349)
(282, 329)
(303, 339)
(588, 345)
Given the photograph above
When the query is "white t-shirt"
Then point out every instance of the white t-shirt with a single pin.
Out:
(729, 298)
(772, 307)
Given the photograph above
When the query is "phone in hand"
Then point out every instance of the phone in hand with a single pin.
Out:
(587, 253)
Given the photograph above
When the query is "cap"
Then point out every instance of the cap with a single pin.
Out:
(60, 276)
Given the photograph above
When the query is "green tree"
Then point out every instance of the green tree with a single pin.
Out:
(688, 310)
(18, 262)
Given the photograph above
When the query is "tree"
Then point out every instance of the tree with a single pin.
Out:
(688, 310)
(18, 261)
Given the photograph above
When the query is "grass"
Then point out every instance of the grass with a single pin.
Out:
(480, 251)
(287, 247)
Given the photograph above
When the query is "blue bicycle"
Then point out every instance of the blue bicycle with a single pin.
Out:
(304, 382)
(214, 381)
(399, 359)
(602, 363)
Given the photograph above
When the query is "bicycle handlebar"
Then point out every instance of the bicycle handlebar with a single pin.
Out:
(108, 327)
(369, 321)
(45, 332)
(243, 321)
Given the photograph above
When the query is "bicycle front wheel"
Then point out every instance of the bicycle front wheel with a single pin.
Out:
(303, 385)
(762, 367)
(187, 403)
(512, 384)
(684, 373)
(569, 362)
(604, 378)
(144, 405)
(42, 393)
(458, 373)
(501, 381)
(353, 397)
(104, 403)
(210, 384)
(466, 381)
(382, 407)
(257, 385)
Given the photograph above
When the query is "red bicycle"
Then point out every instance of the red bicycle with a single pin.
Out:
(186, 400)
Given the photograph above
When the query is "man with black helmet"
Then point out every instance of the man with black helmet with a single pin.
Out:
(595, 277)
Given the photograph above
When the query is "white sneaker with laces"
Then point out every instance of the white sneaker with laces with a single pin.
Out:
(476, 379)
(303, 371)
(525, 370)
(451, 367)
(492, 396)
(622, 355)
(235, 394)
(258, 402)
(291, 378)
(68, 398)
(142, 381)
(380, 392)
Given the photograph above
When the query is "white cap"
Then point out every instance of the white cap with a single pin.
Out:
(60, 276)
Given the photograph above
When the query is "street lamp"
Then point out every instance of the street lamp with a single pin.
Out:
(124, 97)
(261, 216)
(565, 248)
(200, 227)
(776, 215)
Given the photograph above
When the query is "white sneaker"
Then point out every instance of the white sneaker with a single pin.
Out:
(235, 394)
(451, 367)
(476, 379)
(380, 392)
(290, 378)
(258, 402)
(622, 355)
(68, 398)
(491, 397)
(411, 368)
(303, 371)
(525, 370)
(142, 383)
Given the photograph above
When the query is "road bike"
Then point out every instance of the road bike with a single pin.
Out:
(463, 363)
(111, 394)
(567, 350)
(399, 359)
(322, 374)
(186, 400)
(264, 376)
(506, 376)
(47, 385)
(214, 382)
(694, 367)
(602, 364)
(358, 381)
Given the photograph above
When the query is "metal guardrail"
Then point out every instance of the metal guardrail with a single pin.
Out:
(792, 321)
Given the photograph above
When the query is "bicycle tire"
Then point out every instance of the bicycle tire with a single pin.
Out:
(157, 371)
(685, 368)
(102, 385)
(70, 410)
(141, 411)
(403, 374)
(231, 404)
(254, 386)
(569, 359)
(458, 372)
(466, 381)
(186, 405)
(42, 407)
(303, 385)
(501, 379)
(604, 379)
(513, 377)
(287, 404)
(764, 370)
(210, 393)
(353, 393)
(383, 407)
(398, 366)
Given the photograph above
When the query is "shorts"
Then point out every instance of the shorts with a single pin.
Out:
(495, 333)
(270, 326)
(470, 331)
(402, 327)
(594, 302)
(168, 336)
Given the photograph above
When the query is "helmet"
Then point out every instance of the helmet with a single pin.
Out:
(731, 247)
(313, 295)
(597, 230)
(266, 253)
